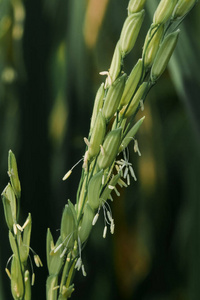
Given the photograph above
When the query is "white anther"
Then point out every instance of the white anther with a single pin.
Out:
(121, 183)
(128, 179)
(37, 260)
(120, 162)
(95, 219)
(15, 229)
(116, 191)
(117, 168)
(86, 141)
(70, 171)
(136, 148)
(111, 187)
(78, 264)
(126, 172)
(67, 175)
(63, 253)
(132, 173)
(83, 270)
(8, 272)
(19, 227)
(105, 232)
(104, 73)
(112, 227)
(57, 248)
(111, 198)
(33, 279)
(26, 223)
(109, 216)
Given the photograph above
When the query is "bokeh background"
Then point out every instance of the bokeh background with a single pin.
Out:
(51, 53)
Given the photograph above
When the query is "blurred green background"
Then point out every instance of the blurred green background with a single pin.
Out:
(51, 53)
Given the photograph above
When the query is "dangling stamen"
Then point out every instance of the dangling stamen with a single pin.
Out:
(67, 175)
(132, 173)
(95, 219)
(83, 270)
(70, 171)
(125, 172)
(121, 183)
(111, 187)
(37, 260)
(116, 191)
(87, 142)
(128, 179)
(33, 279)
(63, 253)
(8, 273)
(78, 264)
(105, 232)
(110, 197)
(112, 227)
(136, 148)
(109, 216)
(57, 248)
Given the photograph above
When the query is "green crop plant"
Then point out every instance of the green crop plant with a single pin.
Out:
(105, 163)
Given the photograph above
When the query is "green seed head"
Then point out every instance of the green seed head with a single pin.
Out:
(86, 224)
(13, 244)
(94, 190)
(131, 83)
(98, 103)
(116, 63)
(130, 32)
(135, 6)
(182, 8)
(66, 292)
(10, 206)
(128, 111)
(151, 45)
(109, 149)
(163, 55)
(68, 228)
(56, 261)
(97, 136)
(49, 247)
(13, 173)
(27, 281)
(164, 11)
(27, 236)
(51, 291)
(113, 97)
(17, 282)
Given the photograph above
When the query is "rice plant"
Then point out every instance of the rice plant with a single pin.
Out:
(105, 163)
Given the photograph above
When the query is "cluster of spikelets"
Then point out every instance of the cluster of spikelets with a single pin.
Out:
(105, 163)
(19, 237)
